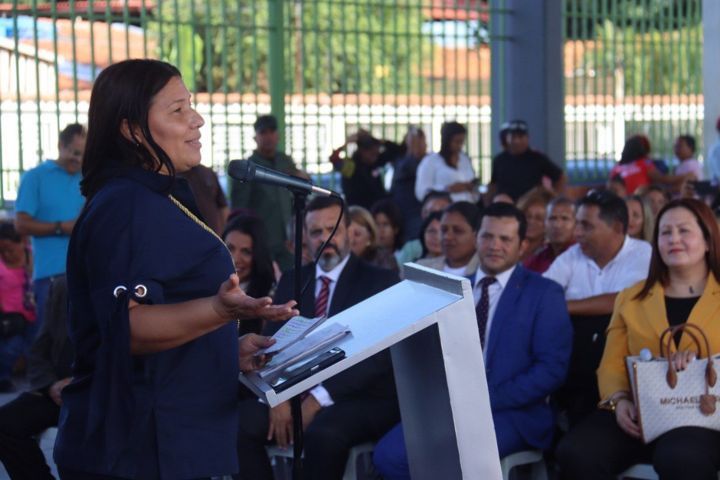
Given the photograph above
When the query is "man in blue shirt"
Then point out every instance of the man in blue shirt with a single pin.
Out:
(47, 205)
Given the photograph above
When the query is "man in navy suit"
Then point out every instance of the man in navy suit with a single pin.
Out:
(356, 406)
(526, 336)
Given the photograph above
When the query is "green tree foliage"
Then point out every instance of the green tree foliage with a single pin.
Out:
(331, 46)
(637, 47)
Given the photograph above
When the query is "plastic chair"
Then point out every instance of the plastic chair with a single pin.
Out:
(358, 466)
(640, 471)
(527, 457)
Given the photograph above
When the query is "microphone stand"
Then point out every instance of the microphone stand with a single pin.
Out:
(299, 200)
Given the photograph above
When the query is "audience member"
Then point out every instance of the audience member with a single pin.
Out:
(603, 262)
(362, 176)
(355, 406)
(449, 170)
(534, 206)
(502, 135)
(559, 233)
(640, 218)
(16, 301)
(684, 149)
(713, 159)
(245, 239)
(272, 204)
(681, 287)
(434, 201)
(526, 337)
(390, 228)
(363, 234)
(520, 168)
(637, 169)
(656, 197)
(502, 198)
(616, 185)
(403, 181)
(34, 411)
(458, 228)
(430, 237)
(48, 203)
(209, 196)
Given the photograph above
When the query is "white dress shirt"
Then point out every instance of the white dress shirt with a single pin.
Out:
(434, 174)
(319, 392)
(495, 289)
(580, 277)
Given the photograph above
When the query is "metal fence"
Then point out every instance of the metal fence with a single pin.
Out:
(329, 67)
(631, 66)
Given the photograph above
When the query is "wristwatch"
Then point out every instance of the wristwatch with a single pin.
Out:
(58, 229)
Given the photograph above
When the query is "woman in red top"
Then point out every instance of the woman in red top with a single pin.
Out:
(637, 170)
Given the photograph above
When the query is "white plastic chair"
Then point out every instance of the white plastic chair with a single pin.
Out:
(526, 457)
(641, 471)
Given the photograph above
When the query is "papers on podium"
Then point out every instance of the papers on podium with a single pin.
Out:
(296, 343)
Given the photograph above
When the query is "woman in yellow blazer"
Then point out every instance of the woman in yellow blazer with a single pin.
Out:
(682, 286)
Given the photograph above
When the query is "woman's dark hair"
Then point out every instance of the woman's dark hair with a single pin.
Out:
(262, 276)
(393, 213)
(447, 132)
(8, 232)
(423, 228)
(123, 92)
(636, 147)
(689, 141)
(468, 210)
(709, 227)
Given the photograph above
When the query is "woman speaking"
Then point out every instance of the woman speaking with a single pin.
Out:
(154, 300)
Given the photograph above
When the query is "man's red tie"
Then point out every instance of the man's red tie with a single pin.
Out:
(321, 302)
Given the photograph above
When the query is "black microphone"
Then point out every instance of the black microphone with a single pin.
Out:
(248, 171)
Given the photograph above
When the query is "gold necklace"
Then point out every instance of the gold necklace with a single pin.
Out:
(204, 226)
(196, 219)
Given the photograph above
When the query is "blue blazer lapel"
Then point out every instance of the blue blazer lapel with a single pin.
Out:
(506, 307)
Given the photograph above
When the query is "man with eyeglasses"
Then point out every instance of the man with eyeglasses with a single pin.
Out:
(604, 261)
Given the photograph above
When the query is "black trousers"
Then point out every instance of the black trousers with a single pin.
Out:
(20, 420)
(328, 439)
(598, 449)
(579, 396)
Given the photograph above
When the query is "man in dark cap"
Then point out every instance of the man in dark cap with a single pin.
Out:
(519, 168)
(272, 204)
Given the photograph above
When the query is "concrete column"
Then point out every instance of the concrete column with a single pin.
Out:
(527, 71)
(711, 70)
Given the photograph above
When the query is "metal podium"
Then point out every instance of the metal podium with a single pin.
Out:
(428, 322)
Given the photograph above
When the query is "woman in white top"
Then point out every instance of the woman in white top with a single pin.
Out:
(450, 169)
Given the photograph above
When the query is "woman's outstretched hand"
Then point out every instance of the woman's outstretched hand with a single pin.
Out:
(231, 302)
